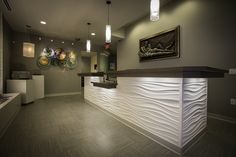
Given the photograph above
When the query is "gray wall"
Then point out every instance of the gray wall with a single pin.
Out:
(207, 38)
(112, 59)
(56, 79)
(103, 63)
(7, 48)
(85, 64)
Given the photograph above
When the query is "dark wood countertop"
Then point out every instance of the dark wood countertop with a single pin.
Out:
(185, 72)
(91, 74)
(107, 85)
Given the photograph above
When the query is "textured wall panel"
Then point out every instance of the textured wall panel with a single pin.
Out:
(150, 103)
(174, 109)
(194, 108)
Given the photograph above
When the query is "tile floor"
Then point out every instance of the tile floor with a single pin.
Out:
(67, 127)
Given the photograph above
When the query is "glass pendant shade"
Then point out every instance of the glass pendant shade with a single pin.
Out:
(88, 46)
(88, 42)
(108, 33)
(28, 49)
(154, 10)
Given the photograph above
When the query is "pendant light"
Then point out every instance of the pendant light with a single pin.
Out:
(28, 49)
(154, 10)
(108, 26)
(88, 42)
(28, 46)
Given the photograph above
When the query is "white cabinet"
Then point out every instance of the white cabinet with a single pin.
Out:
(25, 87)
(8, 110)
(39, 86)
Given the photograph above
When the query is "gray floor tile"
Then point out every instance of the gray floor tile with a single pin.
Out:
(67, 127)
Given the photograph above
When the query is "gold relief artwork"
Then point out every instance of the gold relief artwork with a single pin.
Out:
(43, 60)
(62, 56)
(57, 57)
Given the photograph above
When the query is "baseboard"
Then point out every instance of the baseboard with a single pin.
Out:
(149, 135)
(62, 94)
(221, 117)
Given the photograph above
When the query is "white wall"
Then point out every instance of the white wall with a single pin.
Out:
(207, 38)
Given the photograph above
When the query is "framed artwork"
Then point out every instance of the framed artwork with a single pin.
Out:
(163, 45)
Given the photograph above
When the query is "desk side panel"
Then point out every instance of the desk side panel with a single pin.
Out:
(152, 104)
(194, 108)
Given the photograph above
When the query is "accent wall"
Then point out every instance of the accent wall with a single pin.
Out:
(57, 81)
(207, 38)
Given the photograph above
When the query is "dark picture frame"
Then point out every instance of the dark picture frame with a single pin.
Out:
(163, 45)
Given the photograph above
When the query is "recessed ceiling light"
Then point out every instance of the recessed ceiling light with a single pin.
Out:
(62, 42)
(51, 40)
(43, 22)
(40, 38)
(72, 43)
(93, 34)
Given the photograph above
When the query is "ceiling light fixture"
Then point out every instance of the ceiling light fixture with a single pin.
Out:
(43, 22)
(72, 43)
(62, 42)
(88, 43)
(51, 40)
(93, 34)
(154, 10)
(108, 26)
(28, 46)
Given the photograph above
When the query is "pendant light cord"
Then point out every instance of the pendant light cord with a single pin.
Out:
(88, 29)
(28, 32)
(108, 15)
(108, 12)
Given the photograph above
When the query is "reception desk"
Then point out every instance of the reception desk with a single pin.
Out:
(169, 105)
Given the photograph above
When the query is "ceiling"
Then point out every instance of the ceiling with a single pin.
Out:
(67, 19)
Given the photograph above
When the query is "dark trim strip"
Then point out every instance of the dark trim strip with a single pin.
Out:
(179, 72)
(91, 74)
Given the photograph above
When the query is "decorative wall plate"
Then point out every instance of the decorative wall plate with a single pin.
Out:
(43, 62)
(49, 52)
(71, 63)
(58, 51)
(61, 56)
